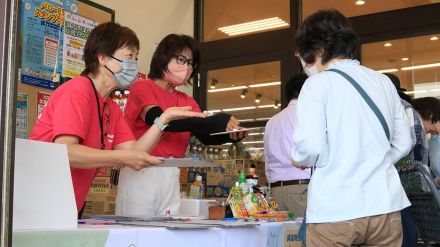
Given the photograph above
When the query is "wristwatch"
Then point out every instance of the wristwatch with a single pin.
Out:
(159, 124)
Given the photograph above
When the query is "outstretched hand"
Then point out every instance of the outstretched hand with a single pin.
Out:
(138, 159)
(176, 113)
(234, 124)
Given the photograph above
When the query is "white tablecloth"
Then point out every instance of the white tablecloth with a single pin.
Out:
(275, 234)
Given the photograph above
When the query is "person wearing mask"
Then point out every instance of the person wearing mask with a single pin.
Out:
(152, 192)
(80, 114)
(288, 183)
(355, 195)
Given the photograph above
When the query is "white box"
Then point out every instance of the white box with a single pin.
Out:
(195, 207)
(43, 190)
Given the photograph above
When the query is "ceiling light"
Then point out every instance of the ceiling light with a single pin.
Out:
(213, 83)
(258, 98)
(227, 144)
(255, 148)
(388, 44)
(253, 26)
(359, 2)
(404, 59)
(213, 111)
(253, 134)
(418, 91)
(423, 66)
(434, 38)
(387, 70)
(244, 87)
(243, 93)
(265, 84)
(226, 89)
(246, 120)
(263, 119)
(253, 142)
(240, 108)
(265, 106)
(435, 90)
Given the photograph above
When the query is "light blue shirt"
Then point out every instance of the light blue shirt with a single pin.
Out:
(434, 154)
(337, 131)
(278, 142)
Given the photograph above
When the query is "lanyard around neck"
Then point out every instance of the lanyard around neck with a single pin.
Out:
(99, 113)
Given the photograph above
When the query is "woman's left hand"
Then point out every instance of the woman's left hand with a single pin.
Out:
(176, 113)
(233, 124)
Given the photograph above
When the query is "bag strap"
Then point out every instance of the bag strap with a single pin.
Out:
(367, 99)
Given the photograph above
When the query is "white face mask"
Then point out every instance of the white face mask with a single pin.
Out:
(310, 71)
(128, 73)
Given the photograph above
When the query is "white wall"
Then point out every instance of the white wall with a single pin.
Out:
(152, 20)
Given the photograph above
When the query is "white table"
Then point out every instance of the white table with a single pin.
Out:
(275, 234)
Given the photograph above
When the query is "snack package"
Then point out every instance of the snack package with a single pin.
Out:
(274, 215)
(251, 203)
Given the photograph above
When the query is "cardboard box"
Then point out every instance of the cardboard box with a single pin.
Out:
(217, 191)
(101, 197)
(291, 238)
(183, 176)
(214, 178)
(99, 208)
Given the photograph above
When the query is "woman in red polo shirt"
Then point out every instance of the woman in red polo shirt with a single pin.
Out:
(151, 192)
(81, 115)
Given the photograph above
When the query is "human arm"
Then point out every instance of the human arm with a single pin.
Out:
(150, 138)
(199, 127)
(309, 136)
(401, 140)
(81, 156)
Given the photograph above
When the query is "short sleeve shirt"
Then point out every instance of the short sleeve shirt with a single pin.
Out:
(72, 110)
(147, 92)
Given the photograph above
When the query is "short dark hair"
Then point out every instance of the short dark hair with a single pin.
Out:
(428, 108)
(396, 82)
(327, 31)
(105, 39)
(167, 49)
(293, 86)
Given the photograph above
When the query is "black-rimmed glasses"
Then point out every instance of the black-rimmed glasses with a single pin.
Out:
(182, 60)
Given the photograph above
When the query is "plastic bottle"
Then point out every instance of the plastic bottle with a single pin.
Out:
(252, 178)
(210, 153)
(197, 189)
(242, 182)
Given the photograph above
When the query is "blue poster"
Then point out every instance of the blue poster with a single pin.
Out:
(42, 40)
(21, 120)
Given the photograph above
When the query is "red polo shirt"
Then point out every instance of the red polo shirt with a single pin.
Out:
(72, 110)
(147, 92)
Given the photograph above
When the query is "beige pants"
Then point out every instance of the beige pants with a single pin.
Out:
(291, 198)
(380, 230)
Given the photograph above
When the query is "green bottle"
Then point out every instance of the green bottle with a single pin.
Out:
(243, 185)
(242, 178)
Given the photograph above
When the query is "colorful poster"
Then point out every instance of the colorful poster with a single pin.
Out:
(42, 40)
(21, 120)
(42, 99)
(76, 31)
